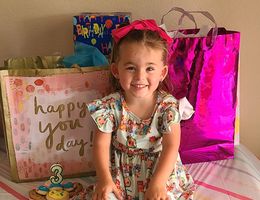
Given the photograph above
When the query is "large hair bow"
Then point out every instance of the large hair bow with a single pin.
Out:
(147, 24)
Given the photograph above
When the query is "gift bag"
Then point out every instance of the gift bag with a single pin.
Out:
(205, 69)
(46, 120)
(95, 28)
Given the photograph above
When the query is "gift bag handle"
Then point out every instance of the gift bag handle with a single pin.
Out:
(210, 17)
(184, 13)
(191, 17)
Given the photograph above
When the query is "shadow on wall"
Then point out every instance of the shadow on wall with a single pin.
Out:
(50, 35)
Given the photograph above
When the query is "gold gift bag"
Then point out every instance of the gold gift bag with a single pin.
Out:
(46, 120)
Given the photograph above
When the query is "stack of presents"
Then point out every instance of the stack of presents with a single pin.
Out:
(43, 99)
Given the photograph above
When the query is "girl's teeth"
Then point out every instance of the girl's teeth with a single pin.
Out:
(139, 86)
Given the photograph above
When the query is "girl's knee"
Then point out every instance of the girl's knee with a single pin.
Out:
(112, 196)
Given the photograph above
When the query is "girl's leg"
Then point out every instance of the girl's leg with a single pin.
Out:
(112, 196)
(171, 196)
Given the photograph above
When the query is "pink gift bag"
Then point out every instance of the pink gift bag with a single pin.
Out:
(205, 69)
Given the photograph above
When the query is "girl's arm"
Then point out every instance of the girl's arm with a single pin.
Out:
(166, 164)
(101, 151)
(101, 156)
(168, 157)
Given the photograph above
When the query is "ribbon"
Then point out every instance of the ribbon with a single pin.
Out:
(148, 24)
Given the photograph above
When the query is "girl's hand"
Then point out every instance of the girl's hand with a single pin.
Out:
(156, 192)
(103, 188)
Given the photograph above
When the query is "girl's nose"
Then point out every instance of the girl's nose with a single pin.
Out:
(139, 75)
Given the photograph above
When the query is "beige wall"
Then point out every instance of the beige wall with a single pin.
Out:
(34, 27)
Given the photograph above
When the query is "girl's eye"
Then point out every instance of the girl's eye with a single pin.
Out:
(130, 68)
(149, 68)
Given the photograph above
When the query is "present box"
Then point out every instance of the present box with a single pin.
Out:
(95, 28)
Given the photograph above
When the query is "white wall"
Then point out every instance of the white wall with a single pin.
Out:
(34, 27)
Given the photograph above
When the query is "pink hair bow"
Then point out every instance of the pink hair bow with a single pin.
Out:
(147, 24)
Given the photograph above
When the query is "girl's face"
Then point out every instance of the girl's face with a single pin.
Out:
(139, 69)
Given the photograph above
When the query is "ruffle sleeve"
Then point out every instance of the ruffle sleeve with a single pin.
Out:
(169, 114)
(185, 108)
(103, 113)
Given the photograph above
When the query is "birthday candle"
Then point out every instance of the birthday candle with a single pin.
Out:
(57, 170)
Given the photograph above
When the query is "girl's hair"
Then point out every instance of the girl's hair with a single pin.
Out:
(150, 39)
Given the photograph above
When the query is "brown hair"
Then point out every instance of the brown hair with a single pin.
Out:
(149, 38)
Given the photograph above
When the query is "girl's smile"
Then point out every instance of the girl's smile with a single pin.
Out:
(138, 85)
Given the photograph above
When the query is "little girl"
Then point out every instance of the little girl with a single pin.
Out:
(136, 148)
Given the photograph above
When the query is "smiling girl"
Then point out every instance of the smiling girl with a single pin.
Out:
(136, 148)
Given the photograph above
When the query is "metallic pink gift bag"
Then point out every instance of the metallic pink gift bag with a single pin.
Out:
(206, 73)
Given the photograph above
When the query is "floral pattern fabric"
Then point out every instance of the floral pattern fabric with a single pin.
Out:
(136, 144)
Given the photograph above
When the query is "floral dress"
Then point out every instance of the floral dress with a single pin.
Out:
(136, 144)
